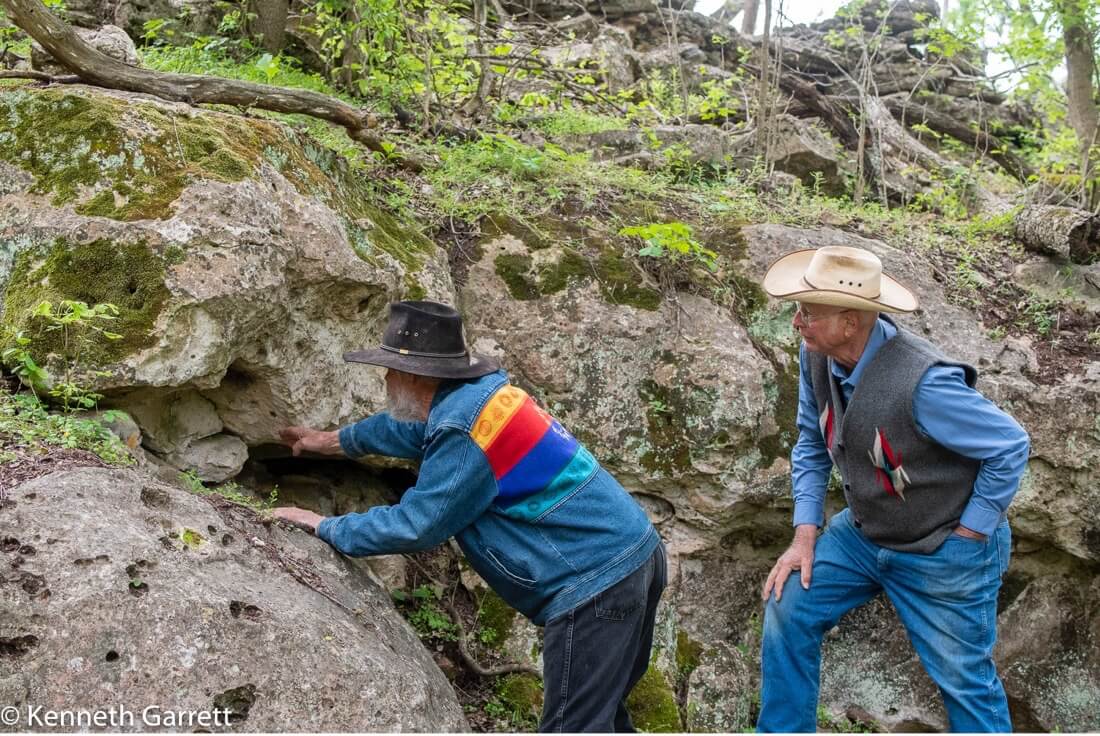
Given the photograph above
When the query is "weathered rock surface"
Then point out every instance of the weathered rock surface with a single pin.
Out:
(111, 40)
(244, 259)
(120, 590)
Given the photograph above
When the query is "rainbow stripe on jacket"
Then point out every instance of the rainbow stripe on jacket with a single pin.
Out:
(535, 461)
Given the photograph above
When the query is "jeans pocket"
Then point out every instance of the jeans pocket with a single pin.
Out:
(624, 597)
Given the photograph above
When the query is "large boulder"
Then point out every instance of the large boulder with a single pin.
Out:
(108, 39)
(120, 590)
(244, 259)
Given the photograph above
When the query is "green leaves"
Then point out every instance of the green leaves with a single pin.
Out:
(673, 241)
(269, 65)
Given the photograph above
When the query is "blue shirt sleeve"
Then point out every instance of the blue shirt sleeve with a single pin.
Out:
(381, 434)
(962, 420)
(810, 461)
(455, 486)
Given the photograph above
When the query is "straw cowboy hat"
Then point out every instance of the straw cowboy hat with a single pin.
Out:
(425, 338)
(838, 276)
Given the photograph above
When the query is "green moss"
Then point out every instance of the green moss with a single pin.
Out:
(494, 619)
(783, 396)
(688, 652)
(749, 296)
(174, 255)
(519, 274)
(521, 696)
(652, 704)
(619, 282)
(673, 429)
(126, 161)
(571, 268)
(373, 233)
(514, 269)
(128, 275)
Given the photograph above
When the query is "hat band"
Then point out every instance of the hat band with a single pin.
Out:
(812, 285)
(403, 351)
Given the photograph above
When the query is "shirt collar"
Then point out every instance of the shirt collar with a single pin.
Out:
(882, 331)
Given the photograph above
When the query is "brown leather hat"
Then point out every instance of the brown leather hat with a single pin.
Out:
(425, 338)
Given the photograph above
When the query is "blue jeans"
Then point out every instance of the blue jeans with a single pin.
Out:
(594, 655)
(947, 601)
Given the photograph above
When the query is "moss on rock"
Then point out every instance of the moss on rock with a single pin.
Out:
(652, 704)
(673, 424)
(619, 282)
(112, 158)
(494, 619)
(688, 653)
(128, 275)
(521, 695)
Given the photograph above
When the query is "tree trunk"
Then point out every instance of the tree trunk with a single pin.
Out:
(1066, 232)
(763, 95)
(1080, 89)
(726, 12)
(95, 67)
(748, 21)
(269, 23)
(485, 79)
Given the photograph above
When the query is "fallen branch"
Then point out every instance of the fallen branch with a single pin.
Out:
(473, 664)
(39, 76)
(898, 138)
(95, 67)
(910, 114)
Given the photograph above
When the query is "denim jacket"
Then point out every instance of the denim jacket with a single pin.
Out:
(536, 516)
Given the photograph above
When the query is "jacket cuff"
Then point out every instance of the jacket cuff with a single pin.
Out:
(347, 442)
(324, 529)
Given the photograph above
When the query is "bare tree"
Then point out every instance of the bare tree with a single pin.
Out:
(763, 95)
(267, 23)
(748, 20)
(1081, 90)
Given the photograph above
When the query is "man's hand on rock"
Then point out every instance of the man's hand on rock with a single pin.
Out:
(298, 517)
(799, 556)
(304, 439)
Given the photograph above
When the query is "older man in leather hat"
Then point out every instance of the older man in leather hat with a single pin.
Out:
(929, 467)
(537, 517)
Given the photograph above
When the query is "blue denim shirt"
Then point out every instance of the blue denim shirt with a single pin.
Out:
(946, 410)
(544, 556)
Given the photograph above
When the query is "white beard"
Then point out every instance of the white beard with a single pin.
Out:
(404, 407)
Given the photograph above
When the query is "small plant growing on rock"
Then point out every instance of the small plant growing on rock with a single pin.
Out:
(673, 242)
(81, 328)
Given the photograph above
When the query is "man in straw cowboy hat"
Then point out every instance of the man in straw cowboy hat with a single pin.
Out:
(537, 517)
(929, 467)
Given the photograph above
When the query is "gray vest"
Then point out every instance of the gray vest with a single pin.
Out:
(906, 492)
